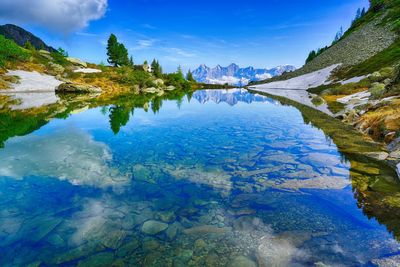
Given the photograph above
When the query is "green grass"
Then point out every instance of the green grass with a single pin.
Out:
(319, 89)
(10, 51)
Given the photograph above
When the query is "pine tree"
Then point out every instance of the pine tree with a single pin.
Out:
(131, 63)
(189, 76)
(112, 50)
(123, 58)
(311, 56)
(116, 52)
(338, 35)
(358, 14)
(157, 70)
(179, 71)
(62, 52)
(363, 12)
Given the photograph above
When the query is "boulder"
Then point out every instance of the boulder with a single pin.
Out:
(56, 68)
(377, 155)
(76, 61)
(395, 154)
(158, 82)
(44, 52)
(150, 90)
(69, 87)
(153, 227)
(242, 261)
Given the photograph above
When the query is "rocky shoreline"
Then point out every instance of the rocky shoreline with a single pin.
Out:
(389, 154)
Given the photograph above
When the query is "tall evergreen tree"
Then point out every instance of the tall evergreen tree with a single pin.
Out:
(189, 76)
(179, 72)
(116, 52)
(157, 70)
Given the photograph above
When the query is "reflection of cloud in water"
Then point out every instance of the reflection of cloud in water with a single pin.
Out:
(69, 155)
(89, 222)
(280, 250)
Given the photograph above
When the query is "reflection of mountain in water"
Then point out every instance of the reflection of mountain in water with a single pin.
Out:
(231, 97)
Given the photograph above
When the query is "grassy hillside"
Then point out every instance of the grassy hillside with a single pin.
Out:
(370, 44)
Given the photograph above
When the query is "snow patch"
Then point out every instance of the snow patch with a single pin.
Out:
(33, 90)
(87, 70)
(354, 79)
(304, 82)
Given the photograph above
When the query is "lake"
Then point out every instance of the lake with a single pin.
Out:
(216, 178)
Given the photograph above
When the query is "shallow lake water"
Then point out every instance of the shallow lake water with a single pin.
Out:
(229, 178)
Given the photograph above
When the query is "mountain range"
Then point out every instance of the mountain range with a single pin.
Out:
(234, 75)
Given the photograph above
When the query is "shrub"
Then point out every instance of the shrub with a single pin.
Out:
(387, 72)
(375, 77)
(59, 58)
(377, 90)
(177, 80)
(10, 51)
(141, 78)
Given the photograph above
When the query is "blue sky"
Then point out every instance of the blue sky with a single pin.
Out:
(253, 32)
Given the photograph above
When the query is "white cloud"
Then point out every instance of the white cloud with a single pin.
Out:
(149, 26)
(60, 15)
(181, 52)
(144, 43)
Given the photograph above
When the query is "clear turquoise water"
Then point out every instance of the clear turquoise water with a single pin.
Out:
(227, 179)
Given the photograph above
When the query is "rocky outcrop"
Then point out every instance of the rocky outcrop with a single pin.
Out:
(69, 87)
(76, 62)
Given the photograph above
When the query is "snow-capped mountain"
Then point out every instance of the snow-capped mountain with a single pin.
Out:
(234, 75)
(231, 97)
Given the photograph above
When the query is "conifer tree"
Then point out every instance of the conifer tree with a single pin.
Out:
(189, 76)
(157, 70)
(116, 52)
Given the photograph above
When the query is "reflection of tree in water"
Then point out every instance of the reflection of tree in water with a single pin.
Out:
(119, 116)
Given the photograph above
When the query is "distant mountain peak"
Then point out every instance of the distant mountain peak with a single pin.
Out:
(234, 75)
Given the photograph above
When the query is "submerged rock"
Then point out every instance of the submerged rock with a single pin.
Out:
(391, 261)
(204, 229)
(128, 248)
(323, 182)
(69, 87)
(100, 259)
(242, 261)
(153, 227)
(173, 230)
